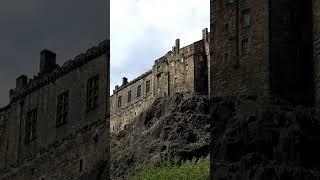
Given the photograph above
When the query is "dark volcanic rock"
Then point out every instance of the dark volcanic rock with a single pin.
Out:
(254, 141)
(174, 128)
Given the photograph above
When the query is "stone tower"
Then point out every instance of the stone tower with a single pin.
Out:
(262, 48)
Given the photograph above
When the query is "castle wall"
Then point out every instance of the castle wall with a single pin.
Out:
(120, 116)
(180, 70)
(236, 70)
(316, 48)
(56, 151)
(80, 156)
(291, 63)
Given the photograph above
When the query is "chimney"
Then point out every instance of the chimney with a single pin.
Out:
(124, 81)
(117, 87)
(47, 61)
(177, 45)
(205, 35)
(21, 82)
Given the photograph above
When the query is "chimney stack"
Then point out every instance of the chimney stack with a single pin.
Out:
(205, 35)
(124, 81)
(177, 45)
(47, 61)
(21, 82)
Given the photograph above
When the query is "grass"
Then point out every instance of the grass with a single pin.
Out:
(189, 170)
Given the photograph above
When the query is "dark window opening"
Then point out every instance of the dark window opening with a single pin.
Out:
(148, 86)
(129, 96)
(119, 101)
(62, 109)
(81, 165)
(31, 126)
(229, 2)
(245, 46)
(139, 91)
(92, 93)
(226, 29)
(246, 18)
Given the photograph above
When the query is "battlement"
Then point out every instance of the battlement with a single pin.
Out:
(180, 70)
(25, 86)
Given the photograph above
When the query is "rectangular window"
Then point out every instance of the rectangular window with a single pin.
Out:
(229, 2)
(92, 93)
(246, 18)
(139, 91)
(119, 101)
(129, 96)
(226, 58)
(148, 86)
(245, 46)
(31, 126)
(226, 29)
(62, 108)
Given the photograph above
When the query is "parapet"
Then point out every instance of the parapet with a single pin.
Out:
(47, 74)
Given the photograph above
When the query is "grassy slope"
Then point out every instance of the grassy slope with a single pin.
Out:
(193, 170)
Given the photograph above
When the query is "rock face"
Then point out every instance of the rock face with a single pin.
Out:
(255, 141)
(173, 128)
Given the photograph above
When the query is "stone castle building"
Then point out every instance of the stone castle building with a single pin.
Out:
(265, 48)
(180, 70)
(258, 48)
(56, 124)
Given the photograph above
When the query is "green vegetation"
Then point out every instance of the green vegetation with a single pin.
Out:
(193, 170)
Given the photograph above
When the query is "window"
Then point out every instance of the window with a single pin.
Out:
(119, 101)
(226, 58)
(182, 60)
(81, 165)
(148, 86)
(226, 29)
(229, 2)
(245, 46)
(139, 91)
(62, 109)
(285, 18)
(92, 93)
(31, 126)
(129, 96)
(246, 18)
(187, 67)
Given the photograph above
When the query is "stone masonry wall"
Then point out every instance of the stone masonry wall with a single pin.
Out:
(120, 116)
(236, 72)
(56, 152)
(316, 48)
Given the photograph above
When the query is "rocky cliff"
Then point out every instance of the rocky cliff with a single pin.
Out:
(254, 140)
(174, 128)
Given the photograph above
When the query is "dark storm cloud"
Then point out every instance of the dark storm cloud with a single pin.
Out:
(67, 27)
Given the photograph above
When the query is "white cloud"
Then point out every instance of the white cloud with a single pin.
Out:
(144, 30)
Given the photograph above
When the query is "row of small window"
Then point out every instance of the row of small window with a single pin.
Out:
(245, 21)
(63, 108)
(244, 50)
(148, 84)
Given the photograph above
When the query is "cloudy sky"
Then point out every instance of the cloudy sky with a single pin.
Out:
(145, 30)
(67, 27)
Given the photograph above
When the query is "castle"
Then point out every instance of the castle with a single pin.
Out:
(180, 70)
(257, 48)
(56, 124)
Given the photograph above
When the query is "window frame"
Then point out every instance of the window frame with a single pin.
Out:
(65, 96)
(246, 18)
(31, 131)
(92, 93)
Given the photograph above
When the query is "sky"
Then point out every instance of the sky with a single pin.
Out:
(145, 30)
(67, 27)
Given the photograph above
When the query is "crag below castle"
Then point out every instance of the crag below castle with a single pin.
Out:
(269, 141)
(173, 128)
